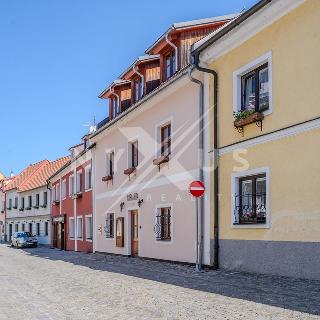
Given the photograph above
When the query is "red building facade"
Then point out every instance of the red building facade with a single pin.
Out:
(71, 203)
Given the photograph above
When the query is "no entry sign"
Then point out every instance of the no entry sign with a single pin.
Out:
(197, 188)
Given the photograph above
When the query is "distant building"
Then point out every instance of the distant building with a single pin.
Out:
(27, 200)
(71, 205)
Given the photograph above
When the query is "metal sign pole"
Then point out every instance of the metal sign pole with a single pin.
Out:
(198, 265)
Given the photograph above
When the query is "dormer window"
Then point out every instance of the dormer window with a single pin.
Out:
(170, 64)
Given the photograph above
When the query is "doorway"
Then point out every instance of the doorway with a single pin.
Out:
(134, 233)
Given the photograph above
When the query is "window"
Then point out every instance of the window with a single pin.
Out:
(15, 202)
(45, 198)
(37, 200)
(46, 228)
(165, 140)
(71, 185)
(10, 204)
(250, 202)
(163, 224)
(88, 176)
(250, 198)
(30, 228)
(22, 203)
(23, 227)
(79, 227)
(58, 192)
(109, 227)
(71, 228)
(133, 154)
(120, 232)
(38, 229)
(110, 164)
(79, 181)
(64, 188)
(16, 227)
(253, 85)
(255, 89)
(53, 190)
(170, 64)
(29, 201)
(89, 227)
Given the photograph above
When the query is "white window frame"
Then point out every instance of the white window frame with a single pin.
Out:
(86, 170)
(79, 218)
(235, 190)
(158, 127)
(91, 231)
(71, 183)
(64, 189)
(77, 181)
(74, 228)
(157, 208)
(237, 75)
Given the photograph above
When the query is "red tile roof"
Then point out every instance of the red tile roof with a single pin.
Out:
(36, 175)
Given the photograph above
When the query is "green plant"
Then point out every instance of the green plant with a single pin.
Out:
(243, 114)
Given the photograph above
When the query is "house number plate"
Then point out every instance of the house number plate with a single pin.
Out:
(132, 196)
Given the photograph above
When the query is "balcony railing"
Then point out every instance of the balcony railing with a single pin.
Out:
(250, 208)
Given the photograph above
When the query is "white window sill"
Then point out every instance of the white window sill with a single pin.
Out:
(80, 239)
(87, 190)
(89, 240)
(250, 226)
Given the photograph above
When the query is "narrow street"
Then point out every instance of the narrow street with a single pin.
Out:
(45, 283)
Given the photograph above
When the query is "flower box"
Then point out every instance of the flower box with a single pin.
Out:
(21, 209)
(36, 207)
(129, 171)
(43, 206)
(161, 160)
(107, 178)
(56, 202)
(15, 207)
(252, 118)
(77, 195)
(28, 208)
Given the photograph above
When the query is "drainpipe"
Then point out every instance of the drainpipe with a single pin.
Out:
(118, 99)
(199, 201)
(195, 61)
(175, 49)
(49, 202)
(142, 79)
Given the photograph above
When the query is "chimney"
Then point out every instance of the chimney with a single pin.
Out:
(11, 174)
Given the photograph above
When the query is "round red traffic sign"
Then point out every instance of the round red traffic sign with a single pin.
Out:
(197, 188)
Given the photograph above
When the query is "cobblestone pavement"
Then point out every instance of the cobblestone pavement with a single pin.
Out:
(45, 283)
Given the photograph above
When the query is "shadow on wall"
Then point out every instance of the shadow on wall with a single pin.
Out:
(293, 294)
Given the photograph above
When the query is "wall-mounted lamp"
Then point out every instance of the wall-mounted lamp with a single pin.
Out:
(140, 201)
(121, 206)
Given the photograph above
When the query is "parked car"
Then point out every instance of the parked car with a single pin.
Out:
(23, 239)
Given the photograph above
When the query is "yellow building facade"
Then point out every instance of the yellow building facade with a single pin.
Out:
(268, 65)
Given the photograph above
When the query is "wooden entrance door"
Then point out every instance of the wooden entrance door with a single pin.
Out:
(134, 233)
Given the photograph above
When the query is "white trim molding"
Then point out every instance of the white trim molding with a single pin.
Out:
(237, 75)
(235, 189)
(273, 136)
(247, 29)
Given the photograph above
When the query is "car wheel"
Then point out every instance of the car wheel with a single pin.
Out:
(11, 245)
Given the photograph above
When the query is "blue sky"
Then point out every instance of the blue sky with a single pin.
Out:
(57, 56)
